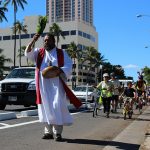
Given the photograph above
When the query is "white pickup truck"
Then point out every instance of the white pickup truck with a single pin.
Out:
(18, 88)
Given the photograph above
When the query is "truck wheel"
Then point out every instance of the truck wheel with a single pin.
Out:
(2, 106)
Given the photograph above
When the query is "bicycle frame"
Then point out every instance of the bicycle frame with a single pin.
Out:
(127, 109)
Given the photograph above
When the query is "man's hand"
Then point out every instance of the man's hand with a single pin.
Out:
(32, 43)
(35, 37)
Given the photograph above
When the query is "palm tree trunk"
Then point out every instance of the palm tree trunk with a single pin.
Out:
(57, 41)
(20, 50)
(15, 37)
(74, 79)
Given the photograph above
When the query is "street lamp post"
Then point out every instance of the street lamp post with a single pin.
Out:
(141, 15)
(101, 70)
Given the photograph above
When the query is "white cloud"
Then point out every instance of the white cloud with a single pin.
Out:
(131, 66)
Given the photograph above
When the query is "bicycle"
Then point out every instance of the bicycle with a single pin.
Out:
(97, 107)
(127, 109)
(140, 103)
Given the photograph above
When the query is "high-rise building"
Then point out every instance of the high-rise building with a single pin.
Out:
(75, 18)
(70, 10)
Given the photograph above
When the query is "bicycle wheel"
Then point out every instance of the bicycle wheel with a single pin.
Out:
(94, 110)
(130, 114)
(140, 107)
(124, 113)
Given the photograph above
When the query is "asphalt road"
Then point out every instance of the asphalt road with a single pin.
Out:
(87, 133)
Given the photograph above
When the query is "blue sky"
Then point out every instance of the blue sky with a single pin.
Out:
(122, 36)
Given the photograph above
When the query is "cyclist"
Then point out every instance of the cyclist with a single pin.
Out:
(115, 96)
(129, 92)
(148, 95)
(106, 88)
(141, 87)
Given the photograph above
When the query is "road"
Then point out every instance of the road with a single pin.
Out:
(87, 133)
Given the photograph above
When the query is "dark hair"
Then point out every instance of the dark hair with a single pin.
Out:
(112, 74)
(129, 82)
(51, 36)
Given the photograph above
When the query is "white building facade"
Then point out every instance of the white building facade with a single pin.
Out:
(75, 18)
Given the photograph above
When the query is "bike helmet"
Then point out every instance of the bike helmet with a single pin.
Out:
(112, 74)
(105, 75)
(140, 77)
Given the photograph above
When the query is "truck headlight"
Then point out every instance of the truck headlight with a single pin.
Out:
(31, 86)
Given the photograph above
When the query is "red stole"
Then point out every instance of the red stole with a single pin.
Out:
(60, 56)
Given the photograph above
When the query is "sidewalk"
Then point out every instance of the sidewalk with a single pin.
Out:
(136, 136)
(146, 144)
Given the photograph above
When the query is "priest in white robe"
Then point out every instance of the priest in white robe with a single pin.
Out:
(52, 110)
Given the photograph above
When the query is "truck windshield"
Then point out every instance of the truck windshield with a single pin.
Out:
(22, 73)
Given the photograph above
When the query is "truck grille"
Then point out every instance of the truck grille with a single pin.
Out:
(14, 87)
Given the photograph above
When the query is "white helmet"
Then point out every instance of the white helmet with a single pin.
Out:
(105, 75)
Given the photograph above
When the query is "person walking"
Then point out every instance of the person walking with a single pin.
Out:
(50, 86)
(106, 88)
(116, 92)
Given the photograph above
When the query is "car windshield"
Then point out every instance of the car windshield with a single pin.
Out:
(22, 73)
(83, 89)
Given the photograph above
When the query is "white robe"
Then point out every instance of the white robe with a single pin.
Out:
(53, 109)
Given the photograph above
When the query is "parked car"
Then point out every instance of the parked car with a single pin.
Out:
(81, 92)
(18, 88)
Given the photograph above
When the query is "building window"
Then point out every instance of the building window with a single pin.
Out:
(32, 35)
(25, 36)
(84, 34)
(64, 46)
(80, 46)
(65, 33)
(44, 34)
(13, 36)
(73, 32)
(88, 36)
(80, 33)
(6, 37)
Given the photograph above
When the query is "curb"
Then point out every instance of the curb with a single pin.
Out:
(7, 116)
(12, 115)
(146, 144)
(29, 113)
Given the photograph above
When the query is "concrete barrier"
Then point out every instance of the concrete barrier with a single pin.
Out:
(7, 116)
(29, 113)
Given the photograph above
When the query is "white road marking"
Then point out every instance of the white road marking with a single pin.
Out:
(4, 124)
(19, 124)
(25, 123)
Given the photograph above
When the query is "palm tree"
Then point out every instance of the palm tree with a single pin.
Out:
(99, 61)
(21, 53)
(56, 31)
(19, 27)
(75, 53)
(2, 13)
(16, 4)
(91, 58)
(3, 60)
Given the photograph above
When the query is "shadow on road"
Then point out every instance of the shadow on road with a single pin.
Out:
(119, 145)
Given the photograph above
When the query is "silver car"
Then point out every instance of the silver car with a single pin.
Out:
(86, 93)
